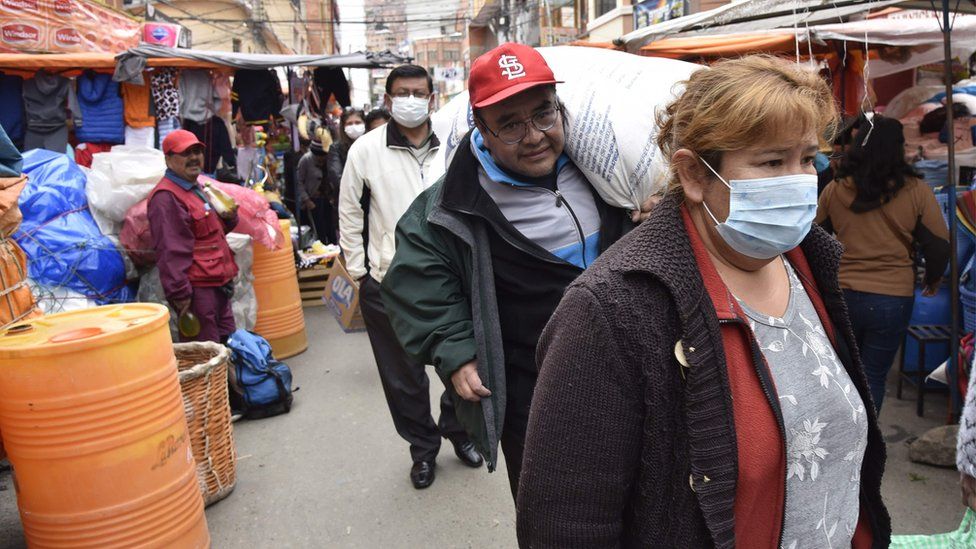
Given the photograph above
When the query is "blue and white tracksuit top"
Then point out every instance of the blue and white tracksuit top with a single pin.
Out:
(566, 222)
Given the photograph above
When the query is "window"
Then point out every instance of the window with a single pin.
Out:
(420, 58)
(604, 6)
(235, 44)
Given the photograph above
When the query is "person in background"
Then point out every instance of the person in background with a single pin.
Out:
(353, 126)
(376, 118)
(880, 210)
(826, 171)
(484, 256)
(196, 266)
(310, 176)
(675, 405)
(385, 170)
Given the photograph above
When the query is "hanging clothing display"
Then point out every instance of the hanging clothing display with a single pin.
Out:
(12, 106)
(101, 109)
(221, 82)
(165, 94)
(84, 152)
(140, 137)
(247, 159)
(46, 110)
(199, 100)
(213, 133)
(332, 81)
(167, 125)
(138, 109)
(256, 94)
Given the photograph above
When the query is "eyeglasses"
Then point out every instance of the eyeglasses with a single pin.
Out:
(406, 94)
(190, 151)
(513, 133)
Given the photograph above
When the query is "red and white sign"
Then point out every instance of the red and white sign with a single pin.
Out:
(67, 38)
(20, 33)
(54, 26)
(20, 5)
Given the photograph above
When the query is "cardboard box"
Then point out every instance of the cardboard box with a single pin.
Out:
(342, 298)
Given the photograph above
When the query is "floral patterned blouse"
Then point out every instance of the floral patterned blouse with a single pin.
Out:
(825, 421)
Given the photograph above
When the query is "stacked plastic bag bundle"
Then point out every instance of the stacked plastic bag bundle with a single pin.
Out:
(65, 247)
(16, 299)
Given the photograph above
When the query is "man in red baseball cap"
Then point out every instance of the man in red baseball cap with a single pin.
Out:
(483, 257)
(196, 266)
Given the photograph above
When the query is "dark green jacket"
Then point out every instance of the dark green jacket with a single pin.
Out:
(439, 291)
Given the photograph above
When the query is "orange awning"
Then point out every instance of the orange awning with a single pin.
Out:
(729, 45)
(28, 63)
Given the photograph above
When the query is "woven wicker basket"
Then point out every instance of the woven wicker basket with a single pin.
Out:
(203, 382)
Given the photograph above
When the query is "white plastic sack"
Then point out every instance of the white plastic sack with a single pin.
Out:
(58, 299)
(122, 177)
(245, 301)
(611, 99)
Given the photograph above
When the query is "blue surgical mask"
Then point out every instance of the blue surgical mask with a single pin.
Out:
(767, 216)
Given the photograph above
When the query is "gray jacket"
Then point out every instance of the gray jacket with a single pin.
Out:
(308, 174)
(200, 98)
(46, 101)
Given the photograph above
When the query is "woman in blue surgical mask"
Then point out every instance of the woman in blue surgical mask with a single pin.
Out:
(700, 385)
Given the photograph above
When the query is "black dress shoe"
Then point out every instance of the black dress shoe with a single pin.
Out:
(422, 474)
(467, 454)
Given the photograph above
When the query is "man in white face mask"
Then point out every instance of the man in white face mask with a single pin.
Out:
(385, 170)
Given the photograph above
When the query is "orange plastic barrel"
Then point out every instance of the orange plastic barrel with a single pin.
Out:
(93, 424)
(280, 318)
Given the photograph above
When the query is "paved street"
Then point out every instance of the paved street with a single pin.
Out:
(333, 472)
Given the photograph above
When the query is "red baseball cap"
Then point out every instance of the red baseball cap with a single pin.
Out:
(178, 141)
(505, 71)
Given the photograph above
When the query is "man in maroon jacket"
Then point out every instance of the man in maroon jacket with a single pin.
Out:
(196, 266)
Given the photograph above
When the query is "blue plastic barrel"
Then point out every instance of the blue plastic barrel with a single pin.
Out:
(930, 311)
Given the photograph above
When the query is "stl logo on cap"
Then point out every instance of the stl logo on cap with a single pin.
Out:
(511, 67)
(505, 71)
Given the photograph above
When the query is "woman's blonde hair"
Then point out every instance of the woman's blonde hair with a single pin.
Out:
(738, 103)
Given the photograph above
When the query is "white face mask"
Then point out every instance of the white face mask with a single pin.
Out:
(354, 131)
(410, 111)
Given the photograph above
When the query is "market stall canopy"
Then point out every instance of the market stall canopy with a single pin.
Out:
(159, 56)
(65, 62)
(359, 60)
(729, 45)
(751, 16)
(915, 36)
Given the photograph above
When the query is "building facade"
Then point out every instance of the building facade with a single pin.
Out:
(253, 26)
(444, 58)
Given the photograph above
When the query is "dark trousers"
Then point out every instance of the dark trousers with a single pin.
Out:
(212, 308)
(520, 386)
(321, 219)
(405, 383)
(880, 323)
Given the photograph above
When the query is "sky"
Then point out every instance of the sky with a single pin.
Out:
(352, 38)
(353, 34)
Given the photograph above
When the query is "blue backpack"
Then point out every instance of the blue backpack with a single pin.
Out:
(260, 386)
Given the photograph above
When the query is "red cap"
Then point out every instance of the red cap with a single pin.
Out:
(505, 71)
(178, 141)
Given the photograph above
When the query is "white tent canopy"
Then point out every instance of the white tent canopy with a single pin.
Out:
(752, 16)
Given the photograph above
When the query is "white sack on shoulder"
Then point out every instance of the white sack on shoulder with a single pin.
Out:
(611, 99)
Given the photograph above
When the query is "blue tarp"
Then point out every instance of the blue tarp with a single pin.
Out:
(63, 244)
